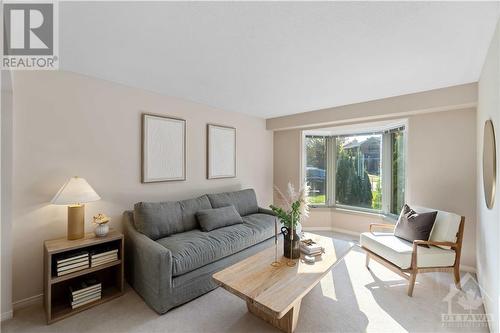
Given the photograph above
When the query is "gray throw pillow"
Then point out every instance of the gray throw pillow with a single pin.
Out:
(414, 226)
(210, 219)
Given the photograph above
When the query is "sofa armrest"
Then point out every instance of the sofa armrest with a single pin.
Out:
(148, 264)
(266, 211)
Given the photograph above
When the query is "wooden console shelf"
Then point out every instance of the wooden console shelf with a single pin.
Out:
(56, 288)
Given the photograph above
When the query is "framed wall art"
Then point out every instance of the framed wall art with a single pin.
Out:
(163, 148)
(221, 151)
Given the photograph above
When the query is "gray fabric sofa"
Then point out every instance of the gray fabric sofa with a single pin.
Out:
(170, 261)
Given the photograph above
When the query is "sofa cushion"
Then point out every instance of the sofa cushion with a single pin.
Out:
(210, 219)
(244, 201)
(399, 251)
(189, 209)
(161, 219)
(193, 249)
(414, 226)
(261, 223)
(445, 227)
(158, 219)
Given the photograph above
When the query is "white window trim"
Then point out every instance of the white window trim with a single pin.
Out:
(386, 176)
(386, 160)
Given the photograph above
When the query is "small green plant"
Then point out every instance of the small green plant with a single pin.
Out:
(287, 218)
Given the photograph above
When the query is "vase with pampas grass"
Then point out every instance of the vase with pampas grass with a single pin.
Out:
(291, 209)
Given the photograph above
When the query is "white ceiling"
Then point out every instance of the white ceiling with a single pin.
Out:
(272, 59)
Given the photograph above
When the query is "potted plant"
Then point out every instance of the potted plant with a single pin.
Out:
(293, 208)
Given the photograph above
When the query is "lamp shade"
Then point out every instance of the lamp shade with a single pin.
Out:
(75, 191)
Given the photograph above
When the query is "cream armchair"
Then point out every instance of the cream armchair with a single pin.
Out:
(408, 259)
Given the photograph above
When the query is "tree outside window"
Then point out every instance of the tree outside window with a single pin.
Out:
(358, 171)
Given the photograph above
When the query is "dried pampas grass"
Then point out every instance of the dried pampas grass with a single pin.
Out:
(292, 196)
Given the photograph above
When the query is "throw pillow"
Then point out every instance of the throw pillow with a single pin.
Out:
(414, 226)
(210, 219)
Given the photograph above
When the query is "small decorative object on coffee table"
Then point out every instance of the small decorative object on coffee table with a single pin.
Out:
(291, 244)
(310, 247)
(102, 228)
(294, 206)
(276, 262)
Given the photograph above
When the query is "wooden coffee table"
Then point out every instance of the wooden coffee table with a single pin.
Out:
(274, 293)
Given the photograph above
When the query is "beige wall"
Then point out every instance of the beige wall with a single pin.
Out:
(451, 98)
(66, 124)
(488, 229)
(440, 167)
(5, 195)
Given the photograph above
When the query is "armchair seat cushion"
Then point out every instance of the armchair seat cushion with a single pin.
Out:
(399, 251)
(194, 249)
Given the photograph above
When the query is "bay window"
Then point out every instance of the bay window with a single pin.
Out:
(359, 171)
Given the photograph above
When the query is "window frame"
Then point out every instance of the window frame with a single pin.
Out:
(386, 172)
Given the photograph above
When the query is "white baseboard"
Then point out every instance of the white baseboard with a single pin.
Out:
(7, 315)
(21, 304)
(468, 269)
(27, 302)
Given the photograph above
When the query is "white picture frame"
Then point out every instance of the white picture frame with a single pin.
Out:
(163, 148)
(221, 151)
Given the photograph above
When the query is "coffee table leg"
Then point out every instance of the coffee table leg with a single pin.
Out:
(287, 323)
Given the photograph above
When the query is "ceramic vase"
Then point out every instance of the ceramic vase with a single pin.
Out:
(289, 245)
(102, 230)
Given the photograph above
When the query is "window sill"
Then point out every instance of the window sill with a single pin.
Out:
(357, 212)
(320, 207)
(387, 217)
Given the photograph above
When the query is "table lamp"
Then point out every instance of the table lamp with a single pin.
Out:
(74, 193)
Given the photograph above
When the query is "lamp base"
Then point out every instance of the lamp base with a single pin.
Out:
(76, 222)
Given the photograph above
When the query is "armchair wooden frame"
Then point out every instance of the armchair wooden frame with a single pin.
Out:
(411, 273)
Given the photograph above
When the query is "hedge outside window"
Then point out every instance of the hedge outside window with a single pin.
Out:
(358, 171)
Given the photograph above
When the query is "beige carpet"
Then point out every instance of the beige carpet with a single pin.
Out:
(348, 299)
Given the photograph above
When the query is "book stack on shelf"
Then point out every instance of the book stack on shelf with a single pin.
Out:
(311, 248)
(72, 263)
(103, 257)
(85, 292)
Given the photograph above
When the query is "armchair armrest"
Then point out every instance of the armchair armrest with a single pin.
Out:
(382, 225)
(266, 211)
(416, 243)
(148, 264)
(422, 242)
